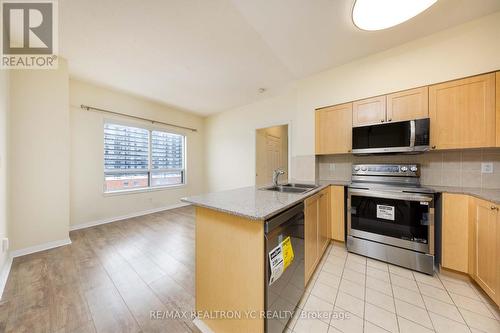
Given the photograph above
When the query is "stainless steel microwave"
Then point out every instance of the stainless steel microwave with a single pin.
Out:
(395, 137)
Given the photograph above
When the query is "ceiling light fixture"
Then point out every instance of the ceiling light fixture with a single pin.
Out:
(374, 15)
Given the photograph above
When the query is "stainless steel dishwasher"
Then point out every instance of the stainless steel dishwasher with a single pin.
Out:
(284, 236)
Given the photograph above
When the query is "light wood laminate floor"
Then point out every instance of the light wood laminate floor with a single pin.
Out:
(108, 280)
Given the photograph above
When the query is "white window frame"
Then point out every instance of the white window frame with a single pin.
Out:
(149, 170)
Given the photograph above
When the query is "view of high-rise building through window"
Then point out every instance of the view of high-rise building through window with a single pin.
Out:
(136, 158)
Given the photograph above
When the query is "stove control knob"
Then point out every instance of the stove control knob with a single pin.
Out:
(404, 169)
(413, 169)
(363, 169)
(356, 168)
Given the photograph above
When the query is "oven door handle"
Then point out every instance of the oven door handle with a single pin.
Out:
(391, 195)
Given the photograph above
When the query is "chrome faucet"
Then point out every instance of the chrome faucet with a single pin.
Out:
(276, 174)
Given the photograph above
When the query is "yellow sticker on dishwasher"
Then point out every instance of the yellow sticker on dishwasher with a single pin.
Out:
(279, 259)
(287, 252)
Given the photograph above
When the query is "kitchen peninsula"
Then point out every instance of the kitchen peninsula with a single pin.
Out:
(232, 229)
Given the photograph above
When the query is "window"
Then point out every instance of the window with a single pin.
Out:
(138, 158)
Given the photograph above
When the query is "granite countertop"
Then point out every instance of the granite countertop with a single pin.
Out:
(335, 182)
(492, 195)
(250, 202)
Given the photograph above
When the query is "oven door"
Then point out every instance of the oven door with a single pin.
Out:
(399, 219)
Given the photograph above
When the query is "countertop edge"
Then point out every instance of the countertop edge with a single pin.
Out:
(300, 197)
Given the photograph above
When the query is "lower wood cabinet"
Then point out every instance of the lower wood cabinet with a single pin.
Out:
(484, 247)
(324, 221)
(498, 107)
(471, 240)
(455, 232)
(316, 227)
(337, 213)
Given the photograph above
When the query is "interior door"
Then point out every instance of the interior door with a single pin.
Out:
(269, 157)
(273, 156)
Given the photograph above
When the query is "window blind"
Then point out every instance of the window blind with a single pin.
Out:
(125, 148)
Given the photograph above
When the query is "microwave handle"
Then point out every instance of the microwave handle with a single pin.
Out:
(388, 195)
(412, 133)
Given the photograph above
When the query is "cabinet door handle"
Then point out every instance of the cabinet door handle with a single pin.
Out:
(433, 147)
(494, 208)
(382, 120)
(389, 119)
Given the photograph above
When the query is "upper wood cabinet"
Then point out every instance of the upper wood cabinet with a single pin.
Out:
(498, 109)
(404, 105)
(408, 105)
(455, 232)
(337, 213)
(334, 129)
(484, 247)
(462, 113)
(369, 111)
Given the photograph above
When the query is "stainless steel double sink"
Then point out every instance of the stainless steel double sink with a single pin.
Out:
(291, 188)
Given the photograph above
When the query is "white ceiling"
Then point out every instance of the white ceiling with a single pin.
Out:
(208, 56)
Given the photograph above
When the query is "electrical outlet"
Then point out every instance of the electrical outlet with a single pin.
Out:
(487, 167)
(5, 244)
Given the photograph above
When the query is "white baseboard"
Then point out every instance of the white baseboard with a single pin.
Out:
(4, 273)
(124, 217)
(202, 326)
(40, 247)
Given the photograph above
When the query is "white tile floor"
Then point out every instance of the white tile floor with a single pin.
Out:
(378, 297)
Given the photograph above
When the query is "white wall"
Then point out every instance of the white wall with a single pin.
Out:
(88, 202)
(4, 109)
(39, 156)
(468, 49)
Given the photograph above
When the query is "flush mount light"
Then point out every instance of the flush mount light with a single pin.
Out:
(382, 14)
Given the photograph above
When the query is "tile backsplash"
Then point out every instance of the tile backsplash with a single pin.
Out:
(444, 168)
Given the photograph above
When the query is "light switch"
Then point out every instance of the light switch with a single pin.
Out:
(487, 167)
(332, 167)
(5, 244)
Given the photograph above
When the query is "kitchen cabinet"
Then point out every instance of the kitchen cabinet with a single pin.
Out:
(337, 213)
(455, 232)
(324, 220)
(498, 108)
(334, 129)
(408, 105)
(484, 246)
(369, 111)
(311, 212)
(462, 113)
(316, 238)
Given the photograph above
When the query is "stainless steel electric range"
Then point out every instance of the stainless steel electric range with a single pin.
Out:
(390, 217)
